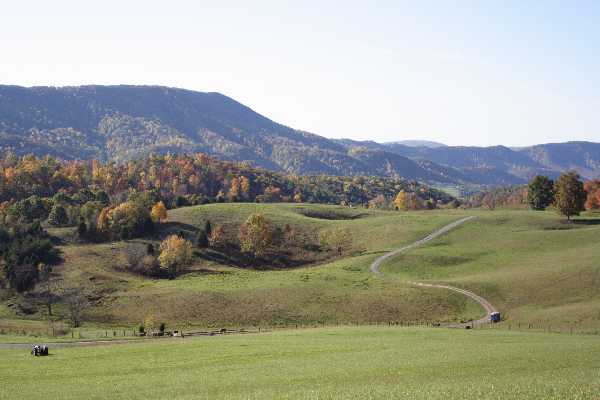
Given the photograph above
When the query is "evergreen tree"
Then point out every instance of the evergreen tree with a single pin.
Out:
(81, 228)
(201, 238)
(207, 228)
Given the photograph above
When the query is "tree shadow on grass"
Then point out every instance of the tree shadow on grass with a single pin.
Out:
(234, 257)
(175, 228)
(587, 221)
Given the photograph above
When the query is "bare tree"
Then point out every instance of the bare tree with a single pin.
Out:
(50, 293)
(50, 289)
(76, 303)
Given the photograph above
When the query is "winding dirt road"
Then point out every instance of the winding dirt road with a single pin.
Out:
(487, 306)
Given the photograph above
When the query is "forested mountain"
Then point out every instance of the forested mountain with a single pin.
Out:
(581, 156)
(123, 123)
(497, 165)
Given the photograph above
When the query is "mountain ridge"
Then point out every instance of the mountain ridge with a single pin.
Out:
(124, 122)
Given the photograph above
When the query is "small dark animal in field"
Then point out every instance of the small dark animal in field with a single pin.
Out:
(39, 350)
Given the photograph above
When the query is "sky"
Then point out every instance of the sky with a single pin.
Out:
(459, 72)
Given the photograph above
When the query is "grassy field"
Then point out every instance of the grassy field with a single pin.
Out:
(533, 266)
(216, 294)
(335, 363)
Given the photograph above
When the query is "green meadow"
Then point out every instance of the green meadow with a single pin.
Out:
(330, 363)
(533, 266)
(215, 293)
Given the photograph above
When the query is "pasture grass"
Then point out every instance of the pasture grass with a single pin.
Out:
(533, 266)
(214, 294)
(331, 363)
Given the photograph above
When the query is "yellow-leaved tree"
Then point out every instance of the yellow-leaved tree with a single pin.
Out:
(401, 201)
(175, 254)
(336, 239)
(159, 212)
(234, 189)
(256, 235)
(245, 186)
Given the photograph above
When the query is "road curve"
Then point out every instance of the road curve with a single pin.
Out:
(487, 306)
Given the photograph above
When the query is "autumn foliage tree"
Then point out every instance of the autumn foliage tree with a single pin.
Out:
(337, 239)
(175, 254)
(216, 238)
(245, 186)
(407, 201)
(570, 195)
(401, 201)
(593, 194)
(234, 189)
(127, 220)
(159, 212)
(256, 235)
(178, 179)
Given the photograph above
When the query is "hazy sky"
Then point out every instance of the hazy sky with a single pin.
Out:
(460, 72)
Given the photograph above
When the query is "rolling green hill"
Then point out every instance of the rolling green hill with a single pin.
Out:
(532, 266)
(216, 291)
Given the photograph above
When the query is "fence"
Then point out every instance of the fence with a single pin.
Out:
(120, 333)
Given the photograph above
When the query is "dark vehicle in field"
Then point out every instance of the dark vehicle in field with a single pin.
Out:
(39, 350)
(495, 317)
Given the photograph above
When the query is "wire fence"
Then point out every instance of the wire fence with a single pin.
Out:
(66, 333)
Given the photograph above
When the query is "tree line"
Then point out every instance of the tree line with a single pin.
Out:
(569, 195)
(191, 179)
(109, 201)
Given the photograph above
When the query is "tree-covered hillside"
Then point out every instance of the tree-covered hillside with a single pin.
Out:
(122, 123)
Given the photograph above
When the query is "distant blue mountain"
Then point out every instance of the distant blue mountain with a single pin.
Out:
(418, 143)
